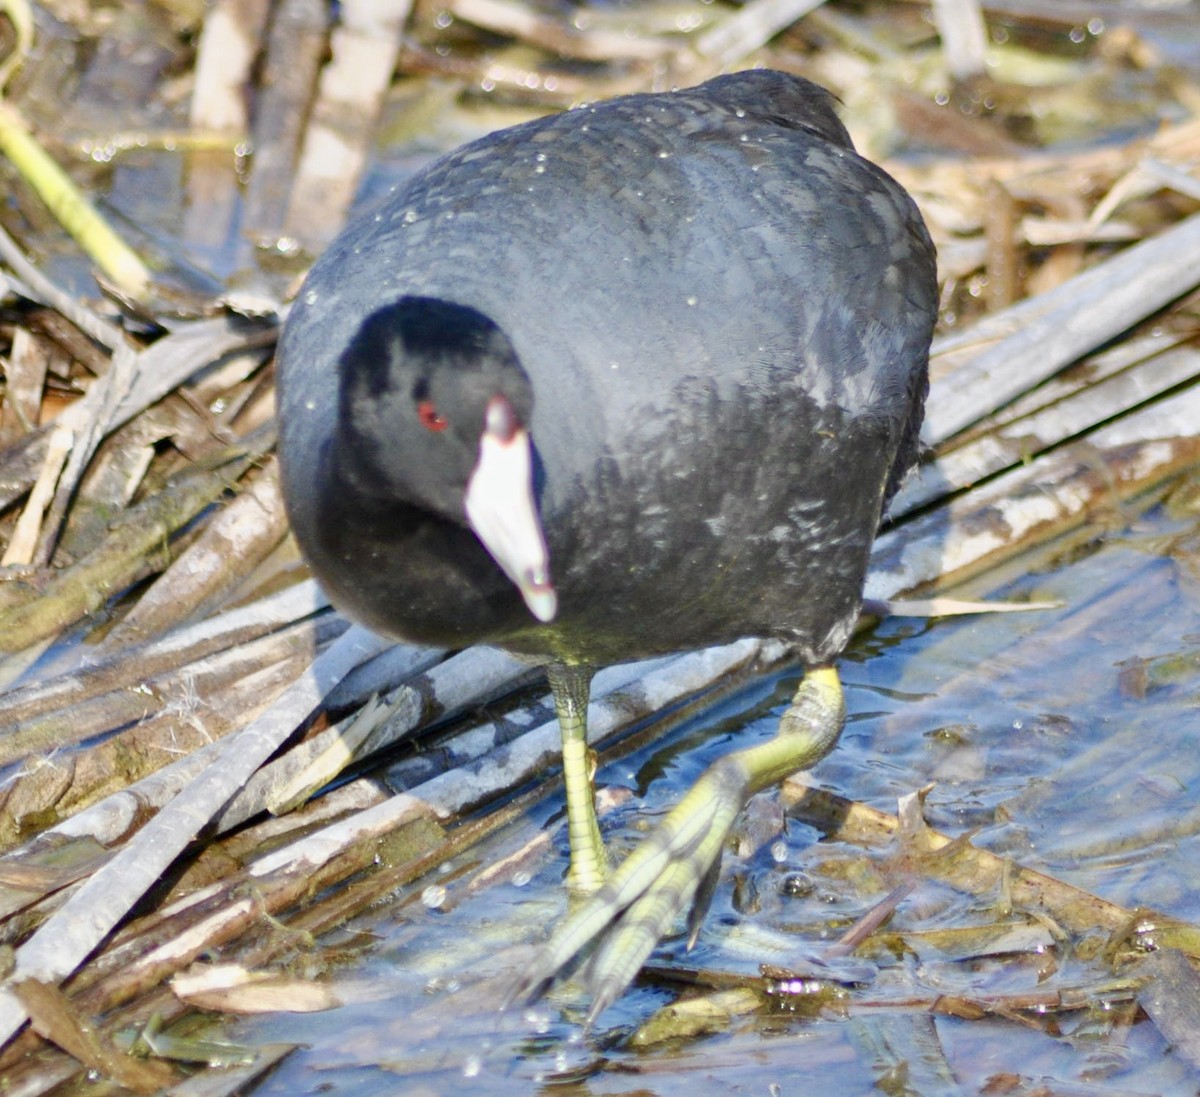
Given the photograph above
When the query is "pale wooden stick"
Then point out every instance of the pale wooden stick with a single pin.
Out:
(754, 24)
(964, 36)
(22, 545)
(340, 134)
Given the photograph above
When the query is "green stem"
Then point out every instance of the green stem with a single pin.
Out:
(71, 207)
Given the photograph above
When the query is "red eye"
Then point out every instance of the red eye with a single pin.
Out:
(429, 417)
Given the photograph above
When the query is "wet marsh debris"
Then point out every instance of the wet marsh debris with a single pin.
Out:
(159, 639)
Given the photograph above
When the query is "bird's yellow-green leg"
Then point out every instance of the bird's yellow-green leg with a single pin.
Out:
(589, 860)
(681, 857)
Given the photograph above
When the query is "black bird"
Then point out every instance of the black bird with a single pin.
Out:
(632, 379)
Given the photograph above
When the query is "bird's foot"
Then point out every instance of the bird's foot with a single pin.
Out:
(675, 868)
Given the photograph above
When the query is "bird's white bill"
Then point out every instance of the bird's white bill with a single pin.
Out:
(501, 511)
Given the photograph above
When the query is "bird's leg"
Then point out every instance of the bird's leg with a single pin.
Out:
(679, 860)
(808, 730)
(589, 861)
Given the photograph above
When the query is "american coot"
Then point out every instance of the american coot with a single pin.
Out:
(632, 379)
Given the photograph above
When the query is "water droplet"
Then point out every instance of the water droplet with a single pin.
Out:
(797, 885)
(434, 896)
(663, 154)
(691, 300)
(410, 216)
(779, 851)
(521, 879)
(740, 113)
(442, 20)
(540, 158)
(538, 1019)
(472, 1066)
(540, 169)
(311, 297)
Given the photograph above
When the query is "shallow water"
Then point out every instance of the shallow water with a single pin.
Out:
(1066, 737)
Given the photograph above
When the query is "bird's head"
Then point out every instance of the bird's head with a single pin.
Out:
(434, 413)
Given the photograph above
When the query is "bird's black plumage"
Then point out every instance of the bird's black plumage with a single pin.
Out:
(723, 313)
(711, 315)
